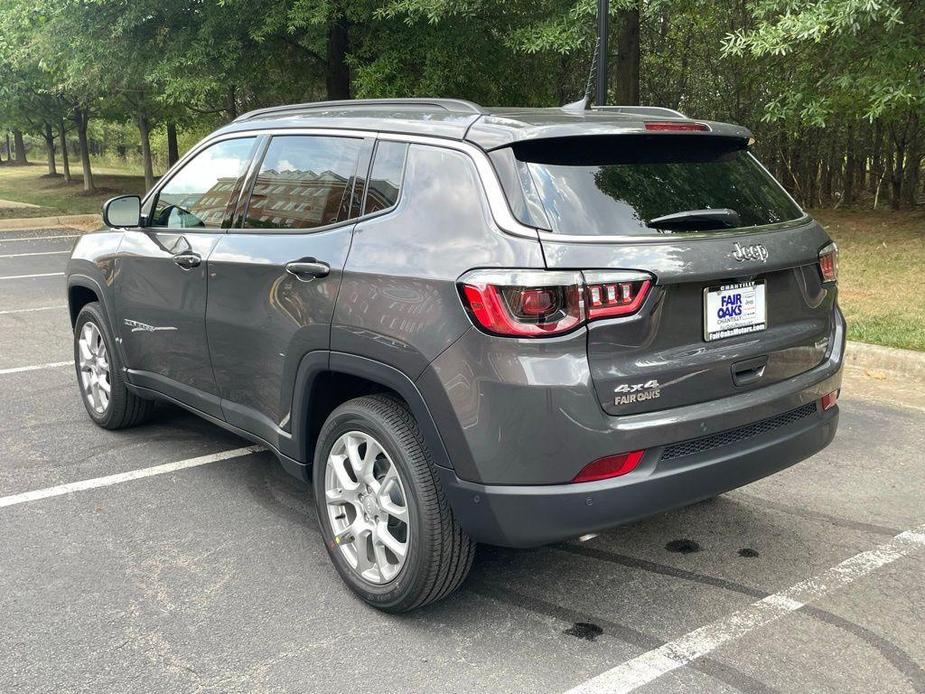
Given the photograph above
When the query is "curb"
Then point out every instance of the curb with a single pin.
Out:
(907, 362)
(81, 222)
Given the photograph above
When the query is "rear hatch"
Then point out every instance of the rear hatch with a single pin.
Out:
(738, 301)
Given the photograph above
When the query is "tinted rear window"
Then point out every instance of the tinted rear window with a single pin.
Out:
(614, 185)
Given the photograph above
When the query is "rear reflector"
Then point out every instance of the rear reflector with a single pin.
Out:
(610, 466)
(668, 126)
(829, 400)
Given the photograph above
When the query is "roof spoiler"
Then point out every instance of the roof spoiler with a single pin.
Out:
(658, 111)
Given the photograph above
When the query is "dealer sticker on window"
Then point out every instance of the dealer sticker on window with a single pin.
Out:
(734, 309)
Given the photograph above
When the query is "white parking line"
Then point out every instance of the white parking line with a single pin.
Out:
(39, 238)
(23, 255)
(109, 480)
(31, 310)
(675, 654)
(26, 277)
(36, 367)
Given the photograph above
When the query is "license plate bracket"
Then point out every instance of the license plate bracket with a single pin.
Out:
(734, 309)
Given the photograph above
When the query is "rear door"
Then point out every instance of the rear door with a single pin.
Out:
(273, 282)
(161, 274)
(738, 300)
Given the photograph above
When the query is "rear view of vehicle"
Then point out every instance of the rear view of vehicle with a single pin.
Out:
(467, 325)
(702, 302)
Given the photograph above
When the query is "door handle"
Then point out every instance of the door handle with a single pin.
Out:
(307, 270)
(187, 260)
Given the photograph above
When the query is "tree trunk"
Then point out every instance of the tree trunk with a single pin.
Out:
(626, 89)
(144, 129)
(81, 120)
(828, 173)
(173, 152)
(231, 102)
(337, 74)
(913, 166)
(20, 148)
(877, 165)
(850, 169)
(9, 151)
(896, 178)
(65, 163)
(49, 136)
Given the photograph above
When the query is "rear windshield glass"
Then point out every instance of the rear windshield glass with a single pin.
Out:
(619, 185)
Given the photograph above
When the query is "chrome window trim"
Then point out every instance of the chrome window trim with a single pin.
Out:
(497, 200)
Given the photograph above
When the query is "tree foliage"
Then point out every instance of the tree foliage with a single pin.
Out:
(834, 89)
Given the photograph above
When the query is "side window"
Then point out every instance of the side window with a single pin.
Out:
(305, 181)
(198, 195)
(385, 177)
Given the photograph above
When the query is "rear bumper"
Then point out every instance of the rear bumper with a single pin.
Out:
(526, 516)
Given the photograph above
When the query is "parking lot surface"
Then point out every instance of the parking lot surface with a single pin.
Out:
(213, 577)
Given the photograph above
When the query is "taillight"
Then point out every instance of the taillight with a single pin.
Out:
(610, 466)
(829, 400)
(828, 263)
(669, 126)
(609, 295)
(539, 303)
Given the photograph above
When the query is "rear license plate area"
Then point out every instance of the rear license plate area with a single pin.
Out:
(734, 309)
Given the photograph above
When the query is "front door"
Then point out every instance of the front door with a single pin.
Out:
(161, 275)
(273, 283)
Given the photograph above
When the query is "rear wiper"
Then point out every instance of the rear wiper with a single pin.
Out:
(697, 220)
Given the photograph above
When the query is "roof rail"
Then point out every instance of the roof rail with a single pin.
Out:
(642, 110)
(444, 104)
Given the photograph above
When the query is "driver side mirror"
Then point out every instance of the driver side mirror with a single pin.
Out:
(122, 211)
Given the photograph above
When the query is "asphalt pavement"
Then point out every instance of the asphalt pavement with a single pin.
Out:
(213, 577)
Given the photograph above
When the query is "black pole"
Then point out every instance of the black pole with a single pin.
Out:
(603, 30)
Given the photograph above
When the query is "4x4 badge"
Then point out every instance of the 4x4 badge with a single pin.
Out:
(627, 393)
(756, 252)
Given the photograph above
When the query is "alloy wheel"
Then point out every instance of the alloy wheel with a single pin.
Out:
(93, 361)
(367, 507)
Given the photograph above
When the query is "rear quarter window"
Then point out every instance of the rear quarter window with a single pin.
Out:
(615, 185)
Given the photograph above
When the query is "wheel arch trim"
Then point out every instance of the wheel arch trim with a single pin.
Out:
(315, 364)
(87, 282)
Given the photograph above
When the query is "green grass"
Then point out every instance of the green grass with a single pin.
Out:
(30, 184)
(881, 286)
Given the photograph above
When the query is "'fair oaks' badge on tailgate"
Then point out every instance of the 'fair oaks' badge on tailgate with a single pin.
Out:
(734, 309)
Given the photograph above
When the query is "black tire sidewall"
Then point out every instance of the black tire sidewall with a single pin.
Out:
(93, 312)
(402, 588)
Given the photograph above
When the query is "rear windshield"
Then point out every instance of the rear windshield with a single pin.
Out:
(618, 185)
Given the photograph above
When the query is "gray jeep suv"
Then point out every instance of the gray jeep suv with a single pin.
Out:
(508, 326)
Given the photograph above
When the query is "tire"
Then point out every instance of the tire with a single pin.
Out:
(122, 408)
(438, 554)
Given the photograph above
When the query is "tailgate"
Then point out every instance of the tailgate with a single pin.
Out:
(661, 358)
